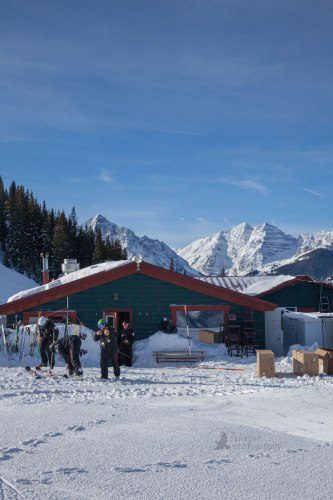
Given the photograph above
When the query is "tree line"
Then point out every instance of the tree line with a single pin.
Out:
(28, 228)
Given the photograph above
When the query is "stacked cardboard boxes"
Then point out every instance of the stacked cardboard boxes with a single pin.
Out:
(305, 363)
(265, 363)
(325, 360)
(210, 337)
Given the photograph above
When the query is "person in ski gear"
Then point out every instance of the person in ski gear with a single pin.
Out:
(167, 326)
(69, 348)
(125, 342)
(47, 335)
(108, 337)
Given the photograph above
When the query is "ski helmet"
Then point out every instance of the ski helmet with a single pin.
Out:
(101, 323)
(42, 321)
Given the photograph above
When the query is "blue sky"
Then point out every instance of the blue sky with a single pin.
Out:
(176, 119)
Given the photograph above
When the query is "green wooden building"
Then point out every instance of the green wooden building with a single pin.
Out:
(141, 293)
(303, 293)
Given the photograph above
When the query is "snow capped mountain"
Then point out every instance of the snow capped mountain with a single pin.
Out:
(313, 241)
(238, 239)
(153, 251)
(266, 244)
(244, 249)
(208, 255)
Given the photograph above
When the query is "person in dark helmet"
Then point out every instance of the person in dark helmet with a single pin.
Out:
(125, 342)
(108, 337)
(69, 348)
(47, 335)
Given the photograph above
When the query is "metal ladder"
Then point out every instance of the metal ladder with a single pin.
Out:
(324, 305)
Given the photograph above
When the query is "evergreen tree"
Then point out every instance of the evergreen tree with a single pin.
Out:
(60, 246)
(28, 228)
(117, 250)
(125, 254)
(85, 246)
(99, 252)
(72, 234)
(172, 265)
(3, 201)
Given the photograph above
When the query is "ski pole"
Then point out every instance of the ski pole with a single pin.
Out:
(188, 333)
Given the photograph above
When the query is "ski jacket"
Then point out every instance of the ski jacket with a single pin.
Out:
(49, 330)
(108, 339)
(126, 334)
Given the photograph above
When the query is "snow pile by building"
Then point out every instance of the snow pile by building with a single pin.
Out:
(161, 342)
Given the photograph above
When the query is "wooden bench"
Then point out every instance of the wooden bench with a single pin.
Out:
(179, 356)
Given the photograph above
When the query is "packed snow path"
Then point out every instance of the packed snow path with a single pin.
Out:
(165, 433)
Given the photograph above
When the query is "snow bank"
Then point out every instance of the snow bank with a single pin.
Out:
(76, 275)
(11, 282)
(296, 347)
(159, 341)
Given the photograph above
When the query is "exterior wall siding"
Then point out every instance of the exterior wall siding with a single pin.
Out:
(148, 298)
(301, 295)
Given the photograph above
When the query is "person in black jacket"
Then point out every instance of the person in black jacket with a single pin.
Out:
(47, 334)
(69, 348)
(109, 348)
(125, 341)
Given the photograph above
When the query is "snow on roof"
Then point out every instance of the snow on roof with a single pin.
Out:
(68, 278)
(308, 316)
(250, 285)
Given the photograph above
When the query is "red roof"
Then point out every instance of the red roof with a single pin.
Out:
(97, 279)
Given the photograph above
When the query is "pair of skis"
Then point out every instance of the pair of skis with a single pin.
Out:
(38, 372)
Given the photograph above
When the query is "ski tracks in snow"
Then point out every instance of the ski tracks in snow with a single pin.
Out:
(16, 387)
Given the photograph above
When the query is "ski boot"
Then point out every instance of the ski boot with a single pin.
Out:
(69, 369)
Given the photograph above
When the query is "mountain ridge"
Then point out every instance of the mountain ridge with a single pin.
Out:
(152, 250)
(245, 249)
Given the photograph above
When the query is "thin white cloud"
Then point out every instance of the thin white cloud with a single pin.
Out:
(105, 176)
(315, 193)
(247, 184)
(180, 132)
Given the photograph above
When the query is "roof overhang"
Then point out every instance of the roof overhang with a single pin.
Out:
(299, 279)
(103, 277)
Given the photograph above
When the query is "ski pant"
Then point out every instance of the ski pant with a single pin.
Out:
(47, 357)
(71, 355)
(125, 354)
(109, 358)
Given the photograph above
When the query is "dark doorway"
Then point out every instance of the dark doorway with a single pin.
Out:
(123, 316)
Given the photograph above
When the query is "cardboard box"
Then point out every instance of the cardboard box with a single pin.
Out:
(305, 363)
(265, 363)
(210, 337)
(325, 360)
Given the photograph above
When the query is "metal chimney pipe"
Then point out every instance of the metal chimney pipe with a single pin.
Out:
(45, 271)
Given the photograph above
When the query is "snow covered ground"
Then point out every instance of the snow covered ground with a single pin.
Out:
(12, 282)
(170, 432)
